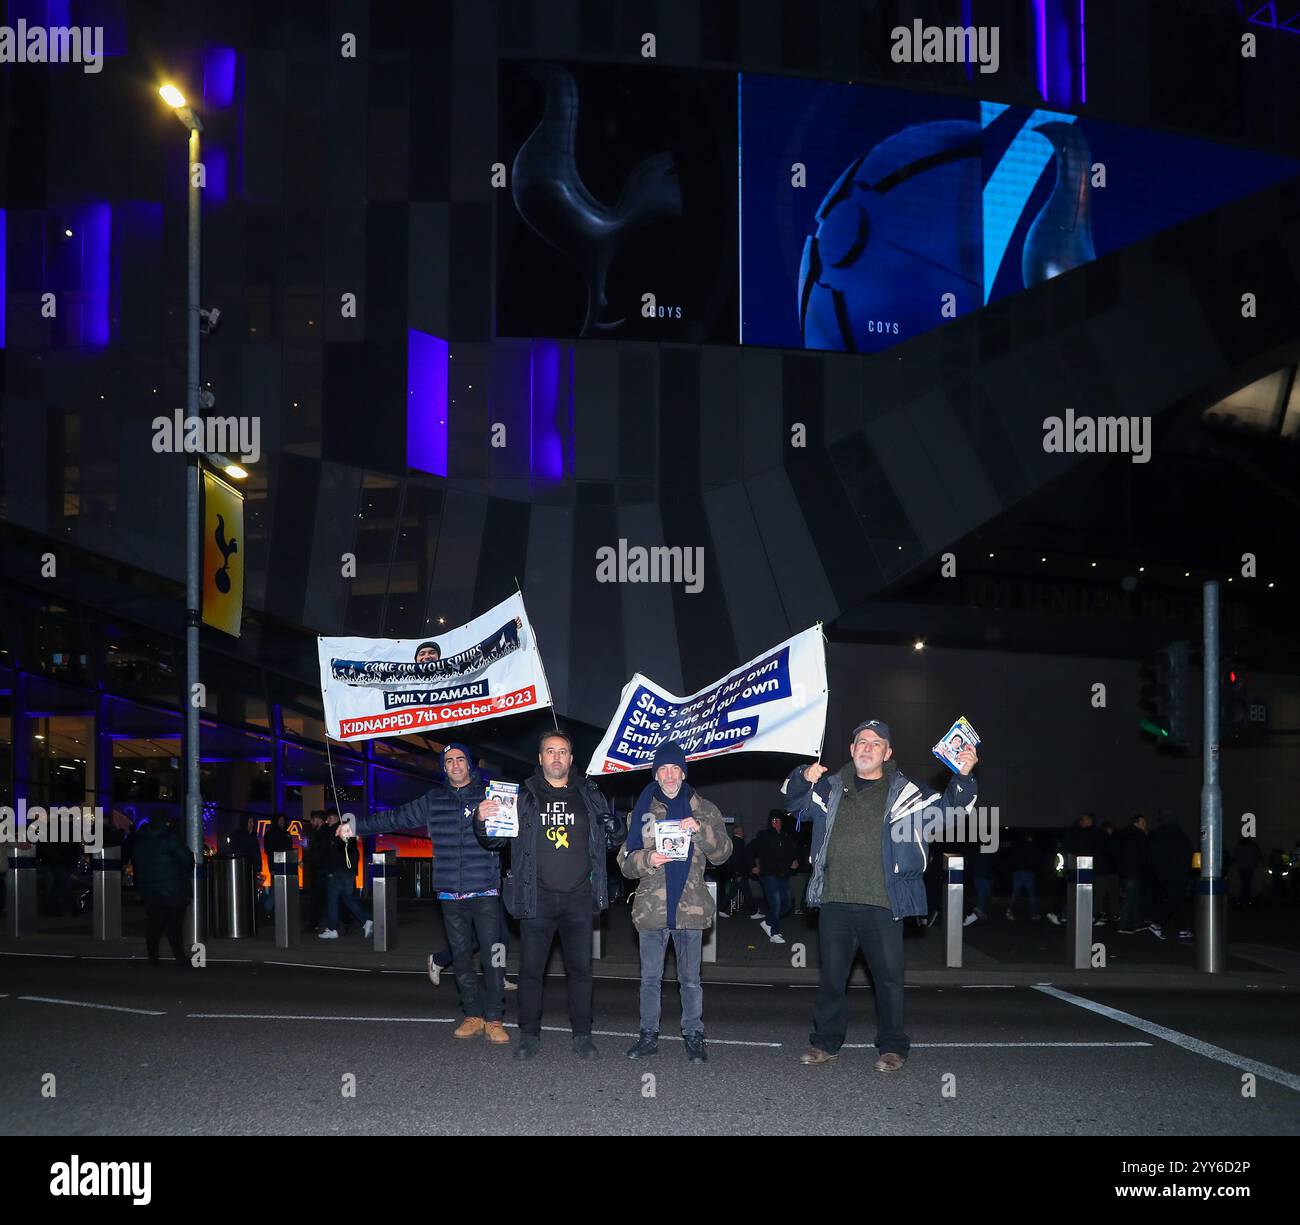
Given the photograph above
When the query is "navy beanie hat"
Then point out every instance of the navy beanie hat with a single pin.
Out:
(670, 753)
(469, 757)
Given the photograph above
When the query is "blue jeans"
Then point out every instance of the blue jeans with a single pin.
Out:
(776, 892)
(1022, 881)
(339, 889)
(688, 946)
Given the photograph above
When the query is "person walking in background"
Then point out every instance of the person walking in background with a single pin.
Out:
(1106, 875)
(276, 838)
(1246, 859)
(1170, 857)
(340, 880)
(979, 871)
(774, 854)
(164, 870)
(319, 853)
(1026, 863)
(671, 900)
(1132, 861)
(1081, 838)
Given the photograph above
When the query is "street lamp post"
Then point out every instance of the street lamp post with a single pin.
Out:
(196, 931)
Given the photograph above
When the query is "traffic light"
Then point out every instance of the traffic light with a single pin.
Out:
(1241, 717)
(1164, 696)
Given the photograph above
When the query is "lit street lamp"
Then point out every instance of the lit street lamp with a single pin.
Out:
(197, 930)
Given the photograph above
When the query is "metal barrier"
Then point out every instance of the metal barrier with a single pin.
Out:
(954, 909)
(288, 913)
(1078, 907)
(383, 888)
(598, 935)
(106, 892)
(21, 881)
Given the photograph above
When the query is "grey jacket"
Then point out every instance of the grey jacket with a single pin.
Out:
(903, 850)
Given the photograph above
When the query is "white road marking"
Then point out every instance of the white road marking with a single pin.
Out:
(871, 1046)
(309, 965)
(618, 1033)
(98, 957)
(61, 956)
(45, 999)
(277, 1016)
(988, 986)
(1289, 1079)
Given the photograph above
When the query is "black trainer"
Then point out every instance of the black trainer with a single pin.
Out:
(695, 1048)
(646, 1044)
(584, 1047)
(528, 1047)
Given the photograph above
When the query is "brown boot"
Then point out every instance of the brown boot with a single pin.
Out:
(496, 1033)
(470, 1027)
(889, 1062)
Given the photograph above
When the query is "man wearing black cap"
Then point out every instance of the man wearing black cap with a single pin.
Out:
(467, 880)
(672, 900)
(869, 863)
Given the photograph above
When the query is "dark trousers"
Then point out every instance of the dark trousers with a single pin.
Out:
(569, 914)
(1172, 906)
(843, 929)
(164, 914)
(318, 898)
(477, 920)
(445, 957)
(340, 890)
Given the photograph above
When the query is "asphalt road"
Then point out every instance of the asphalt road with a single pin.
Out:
(265, 1049)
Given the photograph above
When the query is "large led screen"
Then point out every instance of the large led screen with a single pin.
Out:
(870, 215)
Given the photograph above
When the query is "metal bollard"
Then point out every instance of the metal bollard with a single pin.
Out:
(598, 935)
(233, 897)
(954, 909)
(21, 870)
(383, 888)
(709, 944)
(288, 913)
(196, 916)
(106, 892)
(1078, 894)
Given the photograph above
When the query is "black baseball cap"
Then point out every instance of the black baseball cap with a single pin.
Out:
(873, 725)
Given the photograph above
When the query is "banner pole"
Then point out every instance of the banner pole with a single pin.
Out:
(821, 744)
(541, 663)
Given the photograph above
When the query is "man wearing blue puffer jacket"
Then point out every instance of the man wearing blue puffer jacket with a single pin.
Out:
(467, 880)
(869, 862)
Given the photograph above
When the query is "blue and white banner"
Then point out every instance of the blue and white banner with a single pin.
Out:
(395, 686)
(773, 704)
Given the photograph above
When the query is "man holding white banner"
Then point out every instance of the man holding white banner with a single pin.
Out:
(773, 704)
(399, 687)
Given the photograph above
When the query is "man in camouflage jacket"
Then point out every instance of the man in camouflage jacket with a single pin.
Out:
(671, 898)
